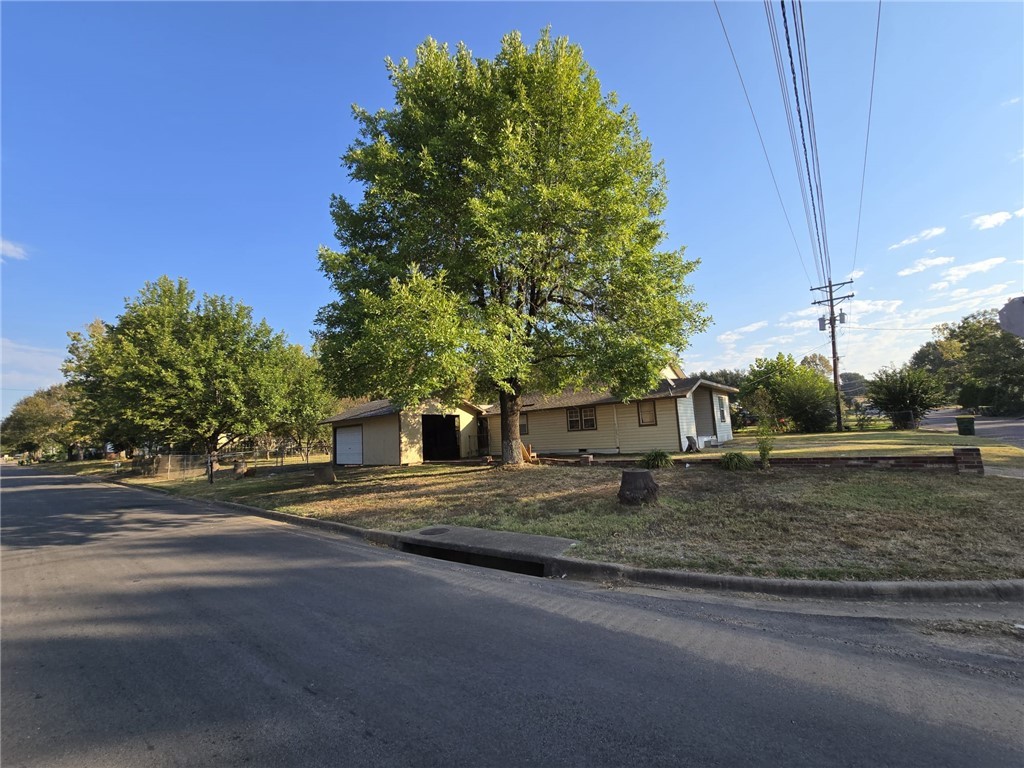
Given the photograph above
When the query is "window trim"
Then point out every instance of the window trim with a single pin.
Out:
(722, 409)
(639, 414)
(524, 423)
(581, 418)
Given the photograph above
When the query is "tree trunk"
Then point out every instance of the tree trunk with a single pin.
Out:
(511, 442)
(637, 487)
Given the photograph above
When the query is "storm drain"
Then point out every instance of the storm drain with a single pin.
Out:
(511, 564)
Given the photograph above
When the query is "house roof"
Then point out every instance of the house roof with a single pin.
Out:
(376, 408)
(580, 397)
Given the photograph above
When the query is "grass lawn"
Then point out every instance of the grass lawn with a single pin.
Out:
(799, 523)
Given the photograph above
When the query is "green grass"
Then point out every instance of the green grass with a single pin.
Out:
(796, 523)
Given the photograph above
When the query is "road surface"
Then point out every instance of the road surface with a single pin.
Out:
(1006, 429)
(140, 630)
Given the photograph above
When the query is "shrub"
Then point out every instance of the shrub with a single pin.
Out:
(735, 461)
(905, 394)
(765, 443)
(808, 398)
(655, 460)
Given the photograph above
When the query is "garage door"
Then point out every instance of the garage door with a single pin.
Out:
(348, 445)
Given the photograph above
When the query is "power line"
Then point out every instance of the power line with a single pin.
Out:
(760, 138)
(867, 134)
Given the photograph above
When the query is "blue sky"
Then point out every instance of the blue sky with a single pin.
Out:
(202, 140)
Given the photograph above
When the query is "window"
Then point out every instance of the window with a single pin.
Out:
(721, 409)
(524, 423)
(581, 418)
(647, 413)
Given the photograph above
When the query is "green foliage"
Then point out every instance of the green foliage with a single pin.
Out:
(306, 401)
(507, 239)
(768, 374)
(818, 363)
(851, 386)
(905, 394)
(735, 461)
(175, 371)
(977, 362)
(41, 422)
(779, 388)
(765, 444)
(655, 460)
(808, 398)
(731, 377)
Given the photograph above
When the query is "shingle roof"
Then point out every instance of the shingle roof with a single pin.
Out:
(364, 411)
(581, 397)
(377, 408)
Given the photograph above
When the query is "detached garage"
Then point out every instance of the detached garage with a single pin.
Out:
(378, 434)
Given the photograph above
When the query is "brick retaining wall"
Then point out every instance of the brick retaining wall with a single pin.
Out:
(963, 461)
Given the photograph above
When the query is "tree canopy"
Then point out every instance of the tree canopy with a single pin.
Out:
(508, 240)
(977, 361)
(174, 370)
(42, 421)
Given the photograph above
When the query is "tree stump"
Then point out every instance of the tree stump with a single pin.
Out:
(637, 487)
(240, 469)
(324, 476)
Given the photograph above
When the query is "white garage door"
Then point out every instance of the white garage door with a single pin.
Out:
(348, 445)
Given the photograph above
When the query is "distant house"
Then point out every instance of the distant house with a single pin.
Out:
(598, 423)
(575, 422)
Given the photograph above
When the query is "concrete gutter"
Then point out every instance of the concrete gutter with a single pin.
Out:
(543, 556)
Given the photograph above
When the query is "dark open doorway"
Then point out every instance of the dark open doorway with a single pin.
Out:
(440, 437)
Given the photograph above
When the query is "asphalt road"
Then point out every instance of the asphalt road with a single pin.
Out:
(141, 630)
(1005, 429)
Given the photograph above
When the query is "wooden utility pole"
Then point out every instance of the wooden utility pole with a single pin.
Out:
(831, 300)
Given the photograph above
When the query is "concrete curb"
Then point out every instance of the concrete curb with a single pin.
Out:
(587, 570)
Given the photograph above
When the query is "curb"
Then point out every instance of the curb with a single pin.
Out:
(588, 570)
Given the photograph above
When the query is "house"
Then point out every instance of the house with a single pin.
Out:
(378, 433)
(598, 423)
(574, 422)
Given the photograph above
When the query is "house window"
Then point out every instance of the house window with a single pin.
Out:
(721, 409)
(581, 418)
(647, 413)
(524, 423)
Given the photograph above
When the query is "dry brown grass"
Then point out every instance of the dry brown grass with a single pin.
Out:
(831, 524)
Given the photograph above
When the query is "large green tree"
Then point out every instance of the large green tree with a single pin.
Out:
(905, 394)
(509, 238)
(977, 362)
(177, 371)
(43, 421)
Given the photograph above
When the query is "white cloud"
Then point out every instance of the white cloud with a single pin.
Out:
(752, 327)
(1010, 102)
(991, 220)
(874, 306)
(1019, 212)
(9, 250)
(922, 264)
(940, 286)
(929, 251)
(731, 337)
(956, 274)
(811, 323)
(855, 274)
(926, 234)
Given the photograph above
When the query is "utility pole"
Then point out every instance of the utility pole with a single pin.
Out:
(831, 300)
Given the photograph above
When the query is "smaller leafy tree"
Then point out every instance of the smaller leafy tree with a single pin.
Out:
(41, 422)
(807, 398)
(905, 394)
(307, 401)
(765, 444)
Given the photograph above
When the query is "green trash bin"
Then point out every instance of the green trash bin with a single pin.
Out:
(965, 425)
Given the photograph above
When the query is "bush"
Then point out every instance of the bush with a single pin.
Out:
(655, 460)
(905, 394)
(808, 399)
(736, 461)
